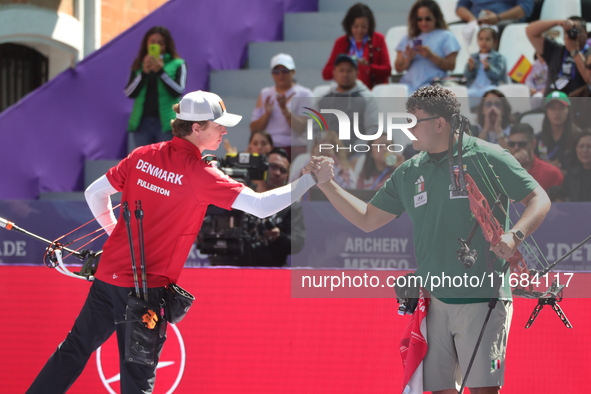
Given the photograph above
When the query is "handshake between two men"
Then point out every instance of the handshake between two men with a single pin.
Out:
(321, 168)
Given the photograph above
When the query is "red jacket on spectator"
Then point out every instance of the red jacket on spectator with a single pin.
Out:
(545, 173)
(375, 52)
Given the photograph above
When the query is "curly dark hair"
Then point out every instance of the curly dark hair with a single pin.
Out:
(359, 10)
(413, 26)
(434, 100)
(170, 47)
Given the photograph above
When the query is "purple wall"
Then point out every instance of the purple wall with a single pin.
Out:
(82, 113)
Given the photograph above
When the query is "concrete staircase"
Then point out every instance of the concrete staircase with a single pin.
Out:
(308, 37)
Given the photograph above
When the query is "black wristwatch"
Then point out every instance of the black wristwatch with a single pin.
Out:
(574, 53)
(518, 234)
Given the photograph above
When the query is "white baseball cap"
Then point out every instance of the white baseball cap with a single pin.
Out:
(200, 106)
(283, 59)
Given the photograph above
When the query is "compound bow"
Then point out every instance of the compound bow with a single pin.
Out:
(463, 184)
(54, 253)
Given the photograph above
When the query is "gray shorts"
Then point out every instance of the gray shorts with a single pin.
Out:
(452, 332)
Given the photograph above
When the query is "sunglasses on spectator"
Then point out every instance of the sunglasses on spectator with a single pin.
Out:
(426, 19)
(521, 144)
(280, 71)
(497, 104)
(588, 66)
(274, 167)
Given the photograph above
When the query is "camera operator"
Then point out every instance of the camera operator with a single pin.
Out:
(566, 63)
(285, 231)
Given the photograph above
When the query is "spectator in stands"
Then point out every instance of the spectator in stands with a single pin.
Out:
(429, 50)
(157, 80)
(350, 96)
(260, 142)
(365, 45)
(581, 101)
(494, 118)
(487, 68)
(566, 63)
(521, 145)
(555, 141)
(286, 231)
(578, 178)
(274, 111)
(344, 175)
(377, 165)
(499, 13)
(536, 80)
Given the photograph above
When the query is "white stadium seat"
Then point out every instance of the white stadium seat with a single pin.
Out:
(518, 96)
(514, 43)
(465, 51)
(448, 8)
(390, 90)
(560, 9)
(383, 91)
(321, 90)
(393, 37)
(534, 120)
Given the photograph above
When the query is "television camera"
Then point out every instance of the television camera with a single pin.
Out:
(230, 236)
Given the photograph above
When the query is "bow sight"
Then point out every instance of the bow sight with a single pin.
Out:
(53, 254)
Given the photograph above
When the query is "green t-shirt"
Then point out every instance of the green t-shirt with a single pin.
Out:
(420, 187)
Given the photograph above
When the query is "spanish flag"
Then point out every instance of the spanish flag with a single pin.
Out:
(520, 70)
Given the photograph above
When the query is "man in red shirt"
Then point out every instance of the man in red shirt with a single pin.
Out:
(521, 145)
(175, 186)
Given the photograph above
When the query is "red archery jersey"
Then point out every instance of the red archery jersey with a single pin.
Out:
(175, 187)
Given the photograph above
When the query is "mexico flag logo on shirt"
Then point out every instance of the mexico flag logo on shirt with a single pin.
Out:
(420, 185)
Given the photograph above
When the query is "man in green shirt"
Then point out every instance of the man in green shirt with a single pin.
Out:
(459, 296)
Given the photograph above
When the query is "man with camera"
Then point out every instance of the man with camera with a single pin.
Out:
(174, 186)
(285, 231)
(566, 63)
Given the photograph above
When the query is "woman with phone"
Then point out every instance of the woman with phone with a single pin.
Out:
(157, 81)
(364, 44)
(429, 49)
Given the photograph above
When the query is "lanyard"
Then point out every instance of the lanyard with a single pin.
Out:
(353, 50)
(573, 68)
